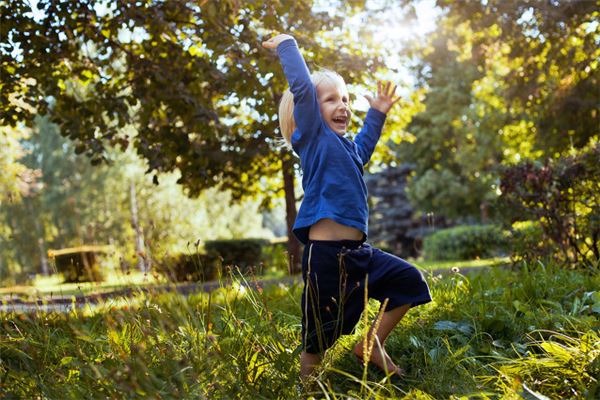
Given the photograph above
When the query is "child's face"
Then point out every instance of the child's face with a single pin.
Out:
(334, 104)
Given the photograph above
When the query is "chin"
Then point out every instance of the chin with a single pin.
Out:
(339, 131)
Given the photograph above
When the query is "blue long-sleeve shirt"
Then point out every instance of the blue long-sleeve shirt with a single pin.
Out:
(332, 164)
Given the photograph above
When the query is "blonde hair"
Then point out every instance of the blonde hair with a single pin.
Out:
(287, 124)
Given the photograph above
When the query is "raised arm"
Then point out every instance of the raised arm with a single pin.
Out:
(367, 138)
(306, 107)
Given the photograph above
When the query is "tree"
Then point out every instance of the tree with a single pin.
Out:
(454, 145)
(202, 90)
(555, 74)
(75, 203)
(16, 181)
(15, 178)
(504, 81)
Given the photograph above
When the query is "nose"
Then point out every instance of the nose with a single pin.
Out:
(343, 105)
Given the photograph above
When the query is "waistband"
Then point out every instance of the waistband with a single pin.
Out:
(349, 244)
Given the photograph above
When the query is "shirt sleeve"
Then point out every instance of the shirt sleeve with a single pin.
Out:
(368, 136)
(306, 106)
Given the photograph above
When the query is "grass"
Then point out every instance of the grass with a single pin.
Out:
(45, 286)
(429, 265)
(500, 334)
(50, 286)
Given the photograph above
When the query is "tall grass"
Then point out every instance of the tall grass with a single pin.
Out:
(501, 333)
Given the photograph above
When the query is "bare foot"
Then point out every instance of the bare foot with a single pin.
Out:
(378, 355)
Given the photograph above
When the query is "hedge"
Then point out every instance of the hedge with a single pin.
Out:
(465, 242)
(243, 254)
(190, 267)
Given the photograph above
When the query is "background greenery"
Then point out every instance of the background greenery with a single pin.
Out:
(151, 127)
(189, 91)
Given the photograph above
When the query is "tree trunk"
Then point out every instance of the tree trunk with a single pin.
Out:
(40, 233)
(484, 208)
(294, 261)
(139, 235)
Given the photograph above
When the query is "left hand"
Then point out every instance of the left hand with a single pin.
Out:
(385, 97)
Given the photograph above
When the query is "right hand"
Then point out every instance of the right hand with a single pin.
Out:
(276, 40)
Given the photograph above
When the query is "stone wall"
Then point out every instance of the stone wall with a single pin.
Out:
(393, 222)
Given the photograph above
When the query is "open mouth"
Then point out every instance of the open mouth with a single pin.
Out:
(340, 121)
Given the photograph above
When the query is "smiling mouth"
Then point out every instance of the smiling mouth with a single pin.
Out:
(340, 120)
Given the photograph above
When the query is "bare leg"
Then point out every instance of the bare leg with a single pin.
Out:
(379, 356)
(308, 362)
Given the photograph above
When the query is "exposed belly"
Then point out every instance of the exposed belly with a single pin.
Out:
(328, 229)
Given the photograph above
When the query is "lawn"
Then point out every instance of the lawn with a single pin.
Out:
(52, 286)
(527, 332)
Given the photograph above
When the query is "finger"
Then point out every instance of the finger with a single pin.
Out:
(387, 88)
(393, 91)
(369, 98)
(269, 44)
(378, 88)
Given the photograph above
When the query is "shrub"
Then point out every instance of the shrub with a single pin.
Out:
(243, 253)
(190, 267)
(563, 195)
(464, 242)
(275, 255)
(526, 241)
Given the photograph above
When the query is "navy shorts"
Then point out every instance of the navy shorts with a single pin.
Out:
(334, 274)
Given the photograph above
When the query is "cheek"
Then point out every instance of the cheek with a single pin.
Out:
(325, 110)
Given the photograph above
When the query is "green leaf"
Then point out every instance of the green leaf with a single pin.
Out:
(556, 350)
(66, 360)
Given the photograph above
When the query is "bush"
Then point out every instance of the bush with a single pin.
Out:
(526, 242)
(275, 255)
(563, 196)
(190, 267)
(464, 243)
(243, 253)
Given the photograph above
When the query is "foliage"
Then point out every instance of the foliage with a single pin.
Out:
(190, 267)
(464, 243)
(75, 203)
(526, 241)
(503, 81)
(243, 253)
(191, 78)
(563, 195)
(554, 69)
(72, 204)
(245, 256)
(477, 340)
(543, 358)
(454, 146)
(15, 178)
(275, 255)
